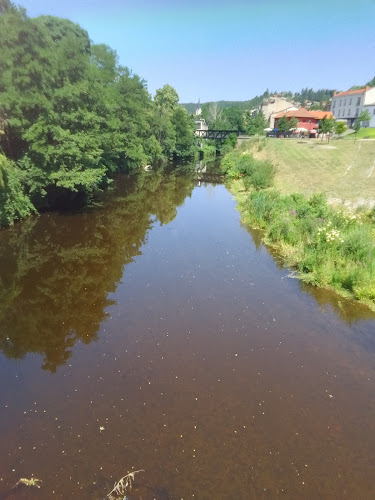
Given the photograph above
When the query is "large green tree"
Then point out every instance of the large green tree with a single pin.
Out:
(70, 116)
(255, 124)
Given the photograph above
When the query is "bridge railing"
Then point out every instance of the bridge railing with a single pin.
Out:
(216, 134)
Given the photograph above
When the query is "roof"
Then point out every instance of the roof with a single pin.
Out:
(352, 92)
(304, 113)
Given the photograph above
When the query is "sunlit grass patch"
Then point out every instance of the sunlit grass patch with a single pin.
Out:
(341, 170)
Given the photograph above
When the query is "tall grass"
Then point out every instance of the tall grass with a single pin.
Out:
(256, 173)
(329, 248)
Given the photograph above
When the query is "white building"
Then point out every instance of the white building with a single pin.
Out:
(346, 106)
(273, 105)
(371, 111)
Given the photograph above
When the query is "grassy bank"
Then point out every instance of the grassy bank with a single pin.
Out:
(331, 248)
(362, 133)
(343, 170)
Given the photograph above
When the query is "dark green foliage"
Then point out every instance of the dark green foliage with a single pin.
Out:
(313, 95)
(14, 203)
(255, 124)
(71, 117)
(184, 126)
(235, 118)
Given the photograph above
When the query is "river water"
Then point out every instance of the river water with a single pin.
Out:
(156, 332)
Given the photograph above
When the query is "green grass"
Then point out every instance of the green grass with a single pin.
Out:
(329, 248)
(343, 170)
(362, 133)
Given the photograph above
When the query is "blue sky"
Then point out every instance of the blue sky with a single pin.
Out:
(232, 50)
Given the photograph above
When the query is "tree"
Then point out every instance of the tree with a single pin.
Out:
(326, 127)
(364, 116)
(235, 119)
(104, 62)
(282, 124)
(184, 126)
(292, 122)
(255, 124)
(340, 128)
(166, 99)
(70, 116)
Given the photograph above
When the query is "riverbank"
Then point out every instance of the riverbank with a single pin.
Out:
(328, 247)
(343, 170)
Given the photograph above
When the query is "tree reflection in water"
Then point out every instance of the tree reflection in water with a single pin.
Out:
(56, 271)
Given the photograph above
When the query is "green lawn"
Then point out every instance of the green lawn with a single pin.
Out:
(344, 170)
(362, 133)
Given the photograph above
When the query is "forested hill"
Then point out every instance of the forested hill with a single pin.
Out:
(71, 116)
(304, 95)
(250, 104)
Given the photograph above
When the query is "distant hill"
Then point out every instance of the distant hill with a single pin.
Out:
(305, 95)
(250, 104)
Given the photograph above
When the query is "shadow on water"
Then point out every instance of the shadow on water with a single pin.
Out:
(56, 271)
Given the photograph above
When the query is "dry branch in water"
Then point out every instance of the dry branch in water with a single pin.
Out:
(123, 486)
(33, 482)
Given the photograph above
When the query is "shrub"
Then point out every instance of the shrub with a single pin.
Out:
(263, 174)
(259, 174)
(14, 203)
(329, 248)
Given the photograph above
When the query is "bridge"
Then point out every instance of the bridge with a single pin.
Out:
(215, 135)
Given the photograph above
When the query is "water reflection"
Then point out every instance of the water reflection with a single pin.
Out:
(56, 271)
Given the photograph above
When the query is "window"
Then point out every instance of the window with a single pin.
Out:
(350, 102)
(345, 102)
(357, 112)
(340, 102)
(374, 111)
(359, 101)
(339, 113)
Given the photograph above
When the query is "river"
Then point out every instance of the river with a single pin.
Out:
(155, 332)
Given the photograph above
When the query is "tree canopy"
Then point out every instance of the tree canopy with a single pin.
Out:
(71, 116)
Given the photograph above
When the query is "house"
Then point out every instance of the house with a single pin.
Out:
(273, 105)
(346, 106)
(200, 125)
(307, 119)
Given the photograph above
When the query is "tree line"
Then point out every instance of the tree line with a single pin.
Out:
(71, 116)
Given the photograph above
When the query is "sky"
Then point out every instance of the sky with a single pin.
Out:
(231, 50)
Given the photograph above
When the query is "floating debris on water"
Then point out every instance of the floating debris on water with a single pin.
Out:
(123, 486)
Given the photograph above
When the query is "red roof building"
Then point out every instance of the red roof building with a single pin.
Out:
(306, 119)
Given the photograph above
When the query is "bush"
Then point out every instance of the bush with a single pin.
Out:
(256, 173)
(14, 203)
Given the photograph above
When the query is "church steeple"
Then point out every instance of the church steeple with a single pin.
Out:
(198, 109)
